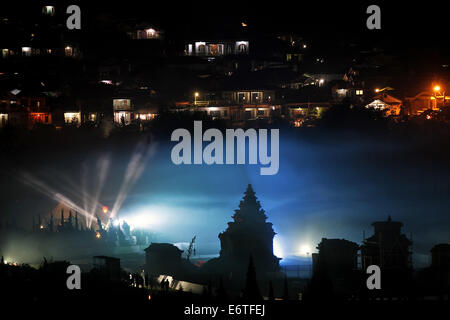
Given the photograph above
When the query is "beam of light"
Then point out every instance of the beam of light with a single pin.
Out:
(81, 192)
(75, 191)
(84, 173)
(133, 172)
(41, 187)
(102, 170)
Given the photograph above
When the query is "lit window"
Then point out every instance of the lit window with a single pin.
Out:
(241, 97)
(151, 33)
(359, 92)
(68, 51)
(26, 51)
(48, 10)
(256, 96)
(5, 53)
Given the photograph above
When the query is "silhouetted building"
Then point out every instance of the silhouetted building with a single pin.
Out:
(107, 266)
(248, 235)
(388, 247)
(337, 254)
(434, 281)
(440, 255)
(163, 259)
(336, 265)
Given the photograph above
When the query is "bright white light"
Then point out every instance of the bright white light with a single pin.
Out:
(141, 221)
(277, 249)
(116, 222)
(305, 249)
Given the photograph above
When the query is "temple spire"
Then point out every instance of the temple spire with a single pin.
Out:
(249, 208)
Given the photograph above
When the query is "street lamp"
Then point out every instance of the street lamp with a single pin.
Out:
(196, 94)
(437, 89)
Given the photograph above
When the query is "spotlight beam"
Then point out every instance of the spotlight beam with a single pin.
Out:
(133, 172)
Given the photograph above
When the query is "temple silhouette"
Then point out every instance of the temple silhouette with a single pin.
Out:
(248, 235)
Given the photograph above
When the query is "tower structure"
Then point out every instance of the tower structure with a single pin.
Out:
(249, 234)
(388, 247)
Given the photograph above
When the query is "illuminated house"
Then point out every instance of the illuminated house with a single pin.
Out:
(308, 104)
(122, 111)
(387, 103)
(72, 118)
(126, 112)
(254, 104)
(216, 48)
(219, 112)
(210, 103)
(24, 110)
(425, 100)
(236, 105)
(46, 35)
(300, 112)
(145, 111)
(145, 32)
(249, 234)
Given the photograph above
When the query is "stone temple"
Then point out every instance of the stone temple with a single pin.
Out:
(249, 234)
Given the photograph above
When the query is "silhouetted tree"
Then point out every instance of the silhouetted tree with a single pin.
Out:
(76, 221)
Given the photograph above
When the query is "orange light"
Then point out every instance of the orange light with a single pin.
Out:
(105, 209)
(377, 90)
(437, 88)
(98, 235)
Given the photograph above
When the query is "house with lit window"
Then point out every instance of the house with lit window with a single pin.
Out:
(44, 36)
(24, 109)
(145, 31)
(345, 91)
(205, 48)
(139, 110)
(254, 104)
(390, 105)
(425, 100)
(234, 105)
(123, 111)
(308, 104)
